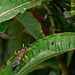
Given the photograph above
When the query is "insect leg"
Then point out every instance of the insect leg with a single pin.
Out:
(23, 59)
(16, 52)
(26, 56)
(23, 45)
(29, 49)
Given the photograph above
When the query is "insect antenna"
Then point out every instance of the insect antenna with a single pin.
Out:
(29, 42)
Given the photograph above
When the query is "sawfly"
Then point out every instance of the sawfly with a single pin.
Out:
(20, 56)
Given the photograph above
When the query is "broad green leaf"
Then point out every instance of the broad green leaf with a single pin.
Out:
(42, 50)
(51, 63)
(32, 26)
(9, 9)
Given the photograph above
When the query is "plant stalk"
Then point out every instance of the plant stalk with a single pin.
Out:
(38, 17)
(50, 18)
(62, 65)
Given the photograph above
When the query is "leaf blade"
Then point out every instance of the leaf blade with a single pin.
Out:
(63, 42)
(44, 55)
(10, 9)
(32, 26)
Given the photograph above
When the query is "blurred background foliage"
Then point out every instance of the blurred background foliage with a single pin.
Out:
(52, 16)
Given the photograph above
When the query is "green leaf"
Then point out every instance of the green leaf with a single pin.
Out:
(73, 12)
(42, 50)
(9, 9)
(32, 26)
(72, 3)
(3, 26)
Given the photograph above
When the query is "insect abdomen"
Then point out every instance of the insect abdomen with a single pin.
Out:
(18, 59)
(16, 62)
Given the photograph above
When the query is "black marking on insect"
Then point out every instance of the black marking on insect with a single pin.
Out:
(19, 56)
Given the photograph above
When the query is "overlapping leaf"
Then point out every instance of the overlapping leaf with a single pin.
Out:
(42, 50)
(9, 8)
(32, 26)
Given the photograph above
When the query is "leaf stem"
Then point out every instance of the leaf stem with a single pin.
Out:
(5, 36)
(50, 18)
(62, 65)
(27, 28)
(38, 17)
(69, 57)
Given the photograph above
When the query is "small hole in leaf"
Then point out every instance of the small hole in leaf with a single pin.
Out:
(52, 43)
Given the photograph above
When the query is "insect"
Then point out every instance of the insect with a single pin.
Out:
(20, 56)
